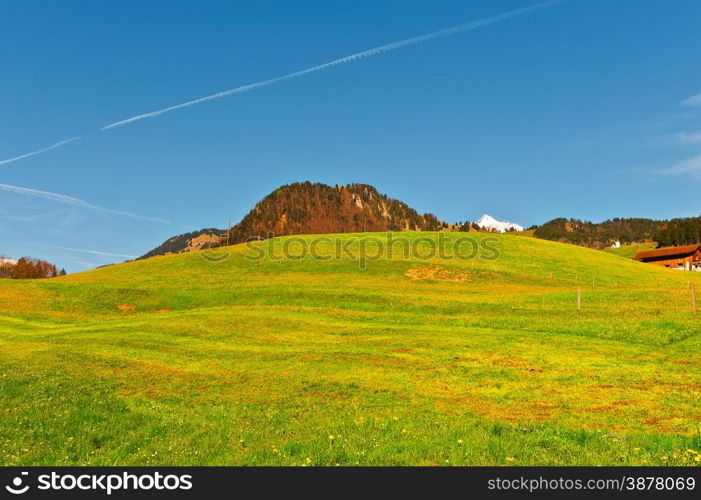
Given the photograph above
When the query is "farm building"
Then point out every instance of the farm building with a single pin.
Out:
(686, 258)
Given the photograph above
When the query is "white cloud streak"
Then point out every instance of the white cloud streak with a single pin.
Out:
(694, 100)
(692, 166)
(693, 138)
(343, 60)
(69, 200)
(53, 146)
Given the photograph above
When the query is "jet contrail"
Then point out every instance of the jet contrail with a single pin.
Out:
(53, 146)
(69, 200)
(353, 57)
(94, 252)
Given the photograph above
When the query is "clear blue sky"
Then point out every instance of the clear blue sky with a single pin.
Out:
(576, 111)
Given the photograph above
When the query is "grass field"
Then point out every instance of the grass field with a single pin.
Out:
(319, 363)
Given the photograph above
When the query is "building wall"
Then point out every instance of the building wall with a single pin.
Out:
(677, 262)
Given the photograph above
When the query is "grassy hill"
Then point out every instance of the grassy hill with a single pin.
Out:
(631, 250)
(320, 363)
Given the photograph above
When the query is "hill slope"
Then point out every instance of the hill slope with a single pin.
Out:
(178, 360)
(187, 242)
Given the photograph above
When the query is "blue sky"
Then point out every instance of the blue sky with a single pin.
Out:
(584, 109)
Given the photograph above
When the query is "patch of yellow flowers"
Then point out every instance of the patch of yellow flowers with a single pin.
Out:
(686, 457)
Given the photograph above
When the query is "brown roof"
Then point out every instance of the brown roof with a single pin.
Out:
(667, 252)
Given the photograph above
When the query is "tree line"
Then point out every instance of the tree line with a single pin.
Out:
(680, 232)
(28, 268)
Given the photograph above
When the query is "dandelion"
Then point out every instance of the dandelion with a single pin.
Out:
(510, 459)
(697, 458)
(459, 442)
(665, 458)
(331, 437)
(403, 431)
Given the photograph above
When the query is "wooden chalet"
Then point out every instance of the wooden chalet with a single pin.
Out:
(686, 258)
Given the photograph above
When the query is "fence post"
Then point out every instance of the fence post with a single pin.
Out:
(579, 297)
(693, 297)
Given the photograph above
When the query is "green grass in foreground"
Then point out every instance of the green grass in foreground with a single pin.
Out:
(320, 363)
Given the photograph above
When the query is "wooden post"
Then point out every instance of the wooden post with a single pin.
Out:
(579, 297)
(693, 297)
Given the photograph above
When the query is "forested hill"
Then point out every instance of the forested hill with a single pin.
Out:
(314, 208)
(682, 231)
(311, 208)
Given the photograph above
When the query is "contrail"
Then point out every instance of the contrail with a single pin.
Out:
(94, 252)
(353, 57)
(69, 200)
(53, 146)
(480, 23)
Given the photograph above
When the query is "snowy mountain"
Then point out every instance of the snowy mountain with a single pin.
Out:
(490, 223)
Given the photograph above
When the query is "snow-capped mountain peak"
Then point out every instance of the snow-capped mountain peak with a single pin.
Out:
(490, 223)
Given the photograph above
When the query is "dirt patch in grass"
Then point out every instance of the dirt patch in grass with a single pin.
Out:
(438, 273)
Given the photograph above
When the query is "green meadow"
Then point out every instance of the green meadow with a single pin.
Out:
(183, 361)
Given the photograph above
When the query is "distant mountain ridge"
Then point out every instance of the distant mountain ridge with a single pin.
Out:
(491, 224)
(315, 208)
